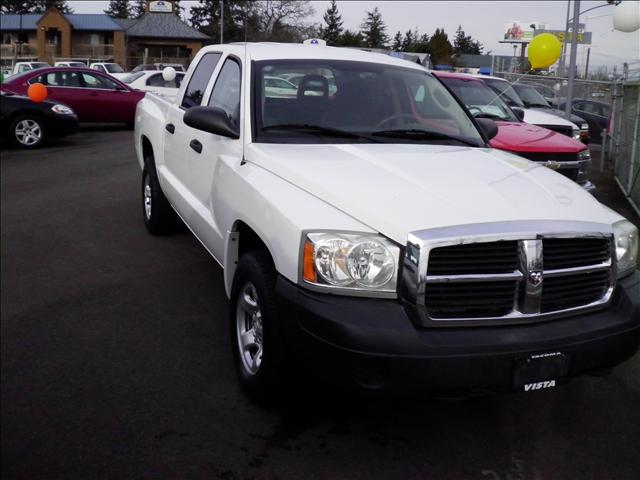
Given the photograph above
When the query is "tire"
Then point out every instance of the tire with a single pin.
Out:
(258, 349)
(159, 217)
(27, 131)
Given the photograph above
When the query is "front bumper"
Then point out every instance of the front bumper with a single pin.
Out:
(62, 125)
(373, 343)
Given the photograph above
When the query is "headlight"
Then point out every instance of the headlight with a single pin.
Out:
(584, 155)
(576, 134)
(62, 109)
(350, 263)
(626, 243)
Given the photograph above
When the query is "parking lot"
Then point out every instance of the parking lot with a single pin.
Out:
(116, 361)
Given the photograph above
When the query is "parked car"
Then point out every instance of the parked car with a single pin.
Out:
(279, 87)
(112, 69)
(549, 94)
(534, 100)
(178, 67)
(94, 96)
(70, 64)
(536, 117)
(376, 237)
(595, 113)
(565, 155)
(21, 67)
(153, 81)
(29, 125)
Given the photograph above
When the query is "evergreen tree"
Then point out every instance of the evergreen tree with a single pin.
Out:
(465, 44)
(118, 9)
(138, 8)
(421, 45)
(408, 42)
(397, 42)
(42, 6)
(374, 30)
(351, 39)
(16, 6)
(331, 33)
(177, 8)
(239, 20)
(440, 48)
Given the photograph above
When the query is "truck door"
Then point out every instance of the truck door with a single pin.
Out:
(174, 172)
(210, 150)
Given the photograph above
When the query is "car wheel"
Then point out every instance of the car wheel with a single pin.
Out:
(159, 216)
(27, 131)
(257, 345)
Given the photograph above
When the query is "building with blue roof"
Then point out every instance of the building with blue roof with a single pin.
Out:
(159, 35)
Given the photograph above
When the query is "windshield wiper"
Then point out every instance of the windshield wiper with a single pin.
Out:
(318, 129)
(489, 115)
(419, 134)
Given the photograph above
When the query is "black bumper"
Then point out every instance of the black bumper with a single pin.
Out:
(61, 125)
(373, 343)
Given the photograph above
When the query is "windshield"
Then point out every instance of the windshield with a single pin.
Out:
(530, 96)
(505, 90)
(481, 101)
(338, 101)
(132, 77)
(113, 68)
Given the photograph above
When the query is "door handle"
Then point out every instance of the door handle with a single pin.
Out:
(93, 94)
(170, 127)
(196, 145)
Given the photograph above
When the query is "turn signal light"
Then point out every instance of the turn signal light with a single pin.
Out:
(309, 269)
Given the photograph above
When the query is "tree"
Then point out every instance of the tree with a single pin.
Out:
(407, 43)
(42, 6)
(465, 44)
(139, 8)
(374, 30)
(331, 33)
(351, 39)
(238, 19)
(397, 42)
(440, 48)
(33, 6)
(276, 15)
(119, 9)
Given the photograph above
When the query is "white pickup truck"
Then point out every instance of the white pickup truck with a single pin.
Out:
(370, 234)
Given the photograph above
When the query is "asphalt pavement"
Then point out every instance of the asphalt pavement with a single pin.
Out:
(115, 363)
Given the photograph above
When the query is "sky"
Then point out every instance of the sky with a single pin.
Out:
(483, 20)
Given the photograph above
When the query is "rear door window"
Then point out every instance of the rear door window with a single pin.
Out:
(226, 91)
(199, 80)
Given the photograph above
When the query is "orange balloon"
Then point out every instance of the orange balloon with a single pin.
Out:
(37, 92)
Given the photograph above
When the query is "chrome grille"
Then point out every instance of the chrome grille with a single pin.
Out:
(518, 276)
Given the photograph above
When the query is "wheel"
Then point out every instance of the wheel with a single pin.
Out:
(159, 217)
(257, 345)
(27, 131)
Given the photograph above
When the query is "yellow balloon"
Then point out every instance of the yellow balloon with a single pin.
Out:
(544, 50)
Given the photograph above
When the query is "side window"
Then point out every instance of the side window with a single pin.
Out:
(96, 81)
(158, 81)
(58, 79)
(226, 91)
(199, 80)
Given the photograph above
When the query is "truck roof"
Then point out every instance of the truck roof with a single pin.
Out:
(284, 51)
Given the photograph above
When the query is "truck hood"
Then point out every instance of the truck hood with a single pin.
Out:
(540, 117)
(559, 113)
(399, 188)
(523, 137)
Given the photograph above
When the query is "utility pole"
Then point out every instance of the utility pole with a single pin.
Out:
(572, 59)
(564, 42)
(221, 21)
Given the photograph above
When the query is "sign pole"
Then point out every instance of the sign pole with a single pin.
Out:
(564, 42)
(572, 59)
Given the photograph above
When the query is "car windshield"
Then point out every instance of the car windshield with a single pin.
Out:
(481, 101)
(530, 96)
(132, 77)
(113, 68)
(38, 65)
(339, 101)
(506, 92)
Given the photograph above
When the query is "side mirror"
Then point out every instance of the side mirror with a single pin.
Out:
(519, 113)
(488, 126)
(210, 119)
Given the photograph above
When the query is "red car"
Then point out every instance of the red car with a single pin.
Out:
(569, 157)
(94, 96)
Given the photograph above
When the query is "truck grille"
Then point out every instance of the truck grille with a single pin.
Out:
(565, 163)
(516, 278)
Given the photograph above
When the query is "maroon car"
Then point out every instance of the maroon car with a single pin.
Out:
(94, 96)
